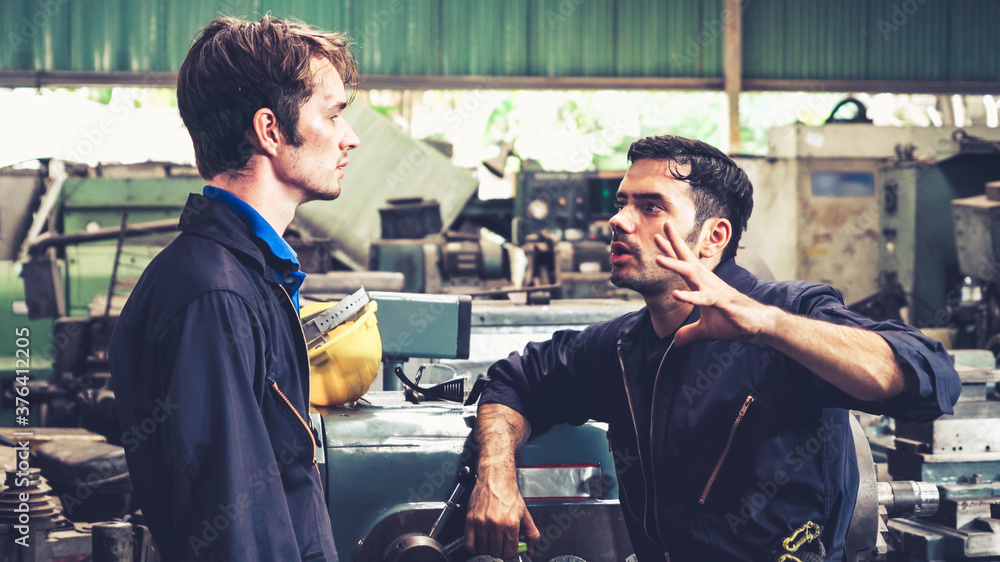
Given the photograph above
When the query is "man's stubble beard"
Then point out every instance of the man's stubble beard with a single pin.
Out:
(646, 285)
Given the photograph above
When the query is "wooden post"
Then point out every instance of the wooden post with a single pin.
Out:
(732, 67)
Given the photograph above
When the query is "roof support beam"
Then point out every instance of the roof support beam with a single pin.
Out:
(45, 79)
(872, 86)
(32, 79)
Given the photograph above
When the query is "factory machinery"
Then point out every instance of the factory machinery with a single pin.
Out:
(397, 464)
(558, 230)
(957, 291)
(960, 455)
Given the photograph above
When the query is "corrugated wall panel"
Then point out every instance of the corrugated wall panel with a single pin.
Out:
(783, 39)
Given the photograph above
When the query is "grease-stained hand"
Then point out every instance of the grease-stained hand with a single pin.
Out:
(726, 313)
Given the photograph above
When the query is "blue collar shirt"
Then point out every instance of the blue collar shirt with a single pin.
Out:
(290, 276)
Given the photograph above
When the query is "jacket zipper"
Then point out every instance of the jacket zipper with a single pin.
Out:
(729, 443)
(312, 437)
(652, 412)
(628, 396)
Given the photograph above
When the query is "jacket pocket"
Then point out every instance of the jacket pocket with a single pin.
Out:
(725, 451)
(317, 556)
(311, 438)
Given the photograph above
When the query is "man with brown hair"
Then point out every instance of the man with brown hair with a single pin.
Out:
(208, 359)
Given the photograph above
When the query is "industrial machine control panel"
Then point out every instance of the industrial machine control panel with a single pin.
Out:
(567, 206)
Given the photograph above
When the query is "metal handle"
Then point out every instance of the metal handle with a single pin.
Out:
(452, 504)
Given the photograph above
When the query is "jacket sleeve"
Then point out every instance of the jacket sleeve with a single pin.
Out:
(559, 380)
(229, 503)
(920, 356)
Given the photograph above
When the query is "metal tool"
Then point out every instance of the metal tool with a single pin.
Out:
(319, 325)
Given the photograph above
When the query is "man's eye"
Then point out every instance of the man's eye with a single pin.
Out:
(652, 208)
(619, 205)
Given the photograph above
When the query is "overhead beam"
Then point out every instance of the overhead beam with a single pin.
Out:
(536, 83)
(43, 79)
(941, 87)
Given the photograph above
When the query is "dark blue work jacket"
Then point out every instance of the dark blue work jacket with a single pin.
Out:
(744, 445)
(211, 377)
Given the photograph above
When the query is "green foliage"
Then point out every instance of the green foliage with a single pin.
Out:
(100, 95)
(388, 110)
(592, 130)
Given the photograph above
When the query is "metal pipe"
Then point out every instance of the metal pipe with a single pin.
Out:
(114, 268)
(389, 379)
(44, 242)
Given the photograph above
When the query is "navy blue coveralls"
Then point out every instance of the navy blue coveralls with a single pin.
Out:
(211, 377)
(731, 445)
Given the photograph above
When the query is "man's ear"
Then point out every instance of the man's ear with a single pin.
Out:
(715, 235)
(265, 131)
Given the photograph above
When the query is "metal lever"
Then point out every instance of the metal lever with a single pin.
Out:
(452, 503)
(426, 548)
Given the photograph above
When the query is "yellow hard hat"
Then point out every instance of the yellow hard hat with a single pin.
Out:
(344, 363)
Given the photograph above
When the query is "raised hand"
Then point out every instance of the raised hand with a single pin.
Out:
(726, 313)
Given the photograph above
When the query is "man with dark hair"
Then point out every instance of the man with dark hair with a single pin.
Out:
(208, 358)
(732, 391)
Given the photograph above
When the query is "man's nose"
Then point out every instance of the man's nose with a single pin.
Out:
(350, 140)
(622, 222)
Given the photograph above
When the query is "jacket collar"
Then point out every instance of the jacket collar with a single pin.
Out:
(737, 277)
(261, 229)
(205, 217)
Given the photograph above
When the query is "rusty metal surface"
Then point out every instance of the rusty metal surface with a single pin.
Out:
(838, 236)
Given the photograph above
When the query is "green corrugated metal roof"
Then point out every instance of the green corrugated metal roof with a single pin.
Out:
(783, 39)
(393, 37)
(923, 40)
